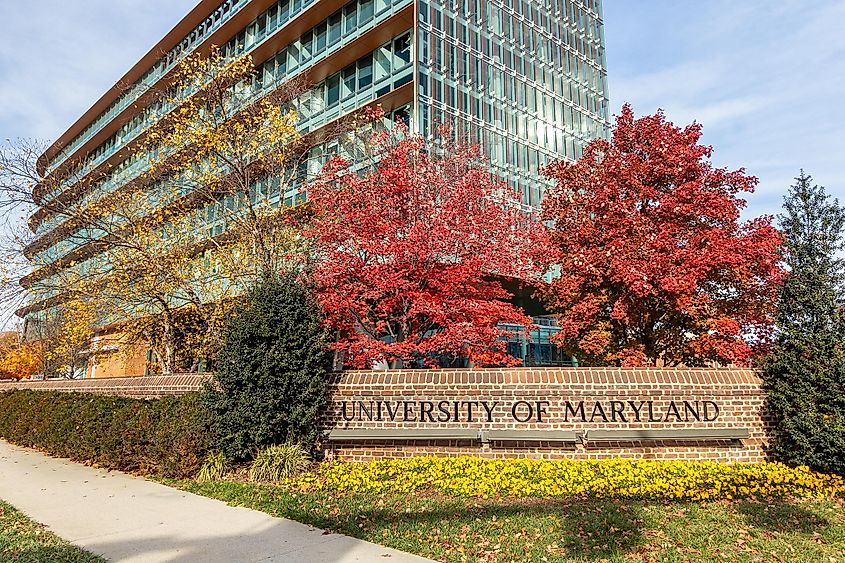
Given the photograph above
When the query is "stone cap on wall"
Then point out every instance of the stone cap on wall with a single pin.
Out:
(141, 387)
(179, 384)
(562, 375)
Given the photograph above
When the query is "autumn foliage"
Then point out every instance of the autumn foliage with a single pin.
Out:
(656, 265)
(18, 360)
(405, 250)
(161, 244)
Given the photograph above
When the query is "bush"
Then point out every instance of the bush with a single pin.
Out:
(169, 436)
(270, 381)
(214, 468)
(277, 463)
(607, 479)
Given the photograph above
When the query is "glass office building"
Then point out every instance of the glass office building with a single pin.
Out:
(524, 78)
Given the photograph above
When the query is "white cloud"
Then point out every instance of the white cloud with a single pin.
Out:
(765, 79)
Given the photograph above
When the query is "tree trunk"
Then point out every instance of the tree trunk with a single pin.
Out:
(168, 359)
(400, 337)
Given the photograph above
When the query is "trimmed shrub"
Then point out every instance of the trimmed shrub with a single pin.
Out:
(169, 436)
(276, 463)
(270, 381)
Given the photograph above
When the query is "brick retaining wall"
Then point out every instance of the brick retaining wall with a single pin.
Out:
(145, 387)
(738, 394)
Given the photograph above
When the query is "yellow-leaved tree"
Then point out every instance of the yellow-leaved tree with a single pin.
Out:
(66, 350)
(159, 246)
(18, 360)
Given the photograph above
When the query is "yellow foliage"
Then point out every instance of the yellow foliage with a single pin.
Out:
(213, 135)
(20, 360)
(610, 478)
(76, 329)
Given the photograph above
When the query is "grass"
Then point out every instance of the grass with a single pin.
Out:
(21, 539)
(460, 529)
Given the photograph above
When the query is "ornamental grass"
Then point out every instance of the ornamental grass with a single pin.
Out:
(603, 479)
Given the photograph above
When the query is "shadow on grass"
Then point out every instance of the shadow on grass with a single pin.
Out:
(48, 554)
(781, 516)
(531, 529)
(446, 527)
(594, 530)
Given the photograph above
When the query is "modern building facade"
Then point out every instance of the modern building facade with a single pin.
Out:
(524, 78)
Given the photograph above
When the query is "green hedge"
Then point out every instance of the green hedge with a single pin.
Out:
(169, 436)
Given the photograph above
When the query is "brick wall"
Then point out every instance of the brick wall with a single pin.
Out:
(144, 387)
(738, 395)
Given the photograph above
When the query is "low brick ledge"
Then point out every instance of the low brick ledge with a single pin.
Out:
(179, 384)
(142, 387)
(539, 376)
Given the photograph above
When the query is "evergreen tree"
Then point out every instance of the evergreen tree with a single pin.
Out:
(805, 372)
(270, 381)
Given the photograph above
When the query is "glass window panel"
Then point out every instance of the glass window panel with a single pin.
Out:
(307, 46)
(350, 17)
(365, 72)
(366, 11)
(334, 29)
(402, 49)
(333, 90)
(382, 63)
(348, 85)
(320, 39)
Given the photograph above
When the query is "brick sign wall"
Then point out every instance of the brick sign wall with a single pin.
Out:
(679, 413)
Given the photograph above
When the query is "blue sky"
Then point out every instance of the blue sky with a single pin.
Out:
(766, 78)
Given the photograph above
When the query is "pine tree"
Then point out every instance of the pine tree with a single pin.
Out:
(805, 372)
(270, 381)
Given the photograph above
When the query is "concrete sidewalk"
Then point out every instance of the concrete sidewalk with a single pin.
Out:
(125, 518)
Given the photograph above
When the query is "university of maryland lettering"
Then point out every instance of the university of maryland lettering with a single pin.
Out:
(529, 411)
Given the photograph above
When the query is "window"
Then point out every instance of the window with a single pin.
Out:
(382, 63)
(307, 46)
(293, 56)
(402, 49)
(320, 39)
(333, 90)
(350, 20)
(402, 116)
(366, 12)
(348, 84)
(334, 29)
(365, 72)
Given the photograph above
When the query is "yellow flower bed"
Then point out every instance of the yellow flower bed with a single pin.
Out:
(611, 478)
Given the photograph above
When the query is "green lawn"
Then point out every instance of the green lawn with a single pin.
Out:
(21, 539)
(460, 529)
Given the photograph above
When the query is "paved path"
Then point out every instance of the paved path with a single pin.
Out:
(125, 518)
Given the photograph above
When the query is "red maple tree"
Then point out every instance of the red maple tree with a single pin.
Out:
(656, 265)
(412, 250)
